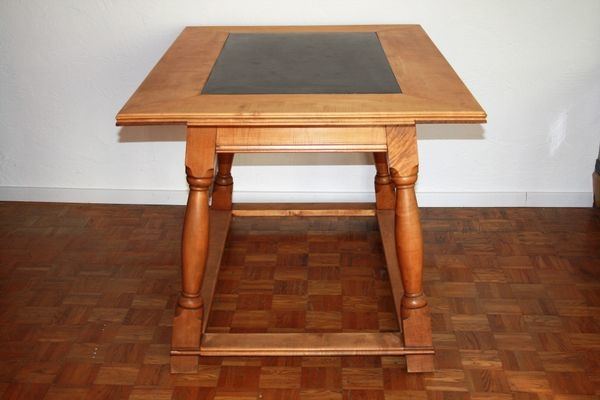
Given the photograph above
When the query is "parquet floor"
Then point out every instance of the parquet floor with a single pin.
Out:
(87, 293)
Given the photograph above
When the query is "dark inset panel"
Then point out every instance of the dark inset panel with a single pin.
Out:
(303, 62)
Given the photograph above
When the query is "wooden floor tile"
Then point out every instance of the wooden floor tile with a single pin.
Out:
(88, 293)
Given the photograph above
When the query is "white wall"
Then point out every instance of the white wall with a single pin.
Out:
(67, 66)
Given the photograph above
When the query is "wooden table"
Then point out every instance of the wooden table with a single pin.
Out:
(301, 89)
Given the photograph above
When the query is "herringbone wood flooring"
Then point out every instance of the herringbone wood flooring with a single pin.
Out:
(87, 297)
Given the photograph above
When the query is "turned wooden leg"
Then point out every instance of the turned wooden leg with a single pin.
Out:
(223, 187)
(416, 320)
(187, 324)
(385, 197)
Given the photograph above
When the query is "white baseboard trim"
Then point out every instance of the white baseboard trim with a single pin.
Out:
(109, 196)
(426, 199)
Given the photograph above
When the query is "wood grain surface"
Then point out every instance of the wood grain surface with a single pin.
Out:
(195, 246)
(432, 91)
(88, 293)
(301, 139)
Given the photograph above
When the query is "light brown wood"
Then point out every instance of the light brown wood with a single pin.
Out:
(385, 195)
(187, 324)
(304, 210)
(416, 321)
(383, 124)
(431, 90)
(218, 230)
(386, 223)
(422, 70)
(305, 344)
(223, 186)
(416, 331)
(300, 139)
(300, 28)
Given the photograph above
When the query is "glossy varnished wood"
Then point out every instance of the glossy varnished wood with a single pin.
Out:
(304, 210)
(301, 139)
(386, 223)
(385, 195)
(415, 319)
(223, 187)
(306, 344)
(218, 230)
(432, 92)
(189, 314)
(404, 166)
(88, 296)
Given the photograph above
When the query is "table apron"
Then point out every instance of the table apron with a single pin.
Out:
(301, 139)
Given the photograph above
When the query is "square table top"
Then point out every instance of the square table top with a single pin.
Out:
(308, 75)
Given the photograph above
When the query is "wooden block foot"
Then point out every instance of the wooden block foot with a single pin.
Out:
(416, 327)
(419, 363)
(184, 364)
(187, 329)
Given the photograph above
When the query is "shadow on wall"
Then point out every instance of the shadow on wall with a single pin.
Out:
(158, 133)
(171, 133)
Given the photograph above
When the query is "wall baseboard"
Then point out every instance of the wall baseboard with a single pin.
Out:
(426, 199)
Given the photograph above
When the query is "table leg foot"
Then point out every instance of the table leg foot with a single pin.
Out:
(416, 328)
(187, 330)
(416, 321)
(419, 363)
(184, 364)
(187, 324)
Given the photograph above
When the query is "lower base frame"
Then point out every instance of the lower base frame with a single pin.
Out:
(419, 354)
(302, 344)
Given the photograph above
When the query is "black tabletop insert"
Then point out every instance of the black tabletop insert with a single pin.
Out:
(302, 62)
